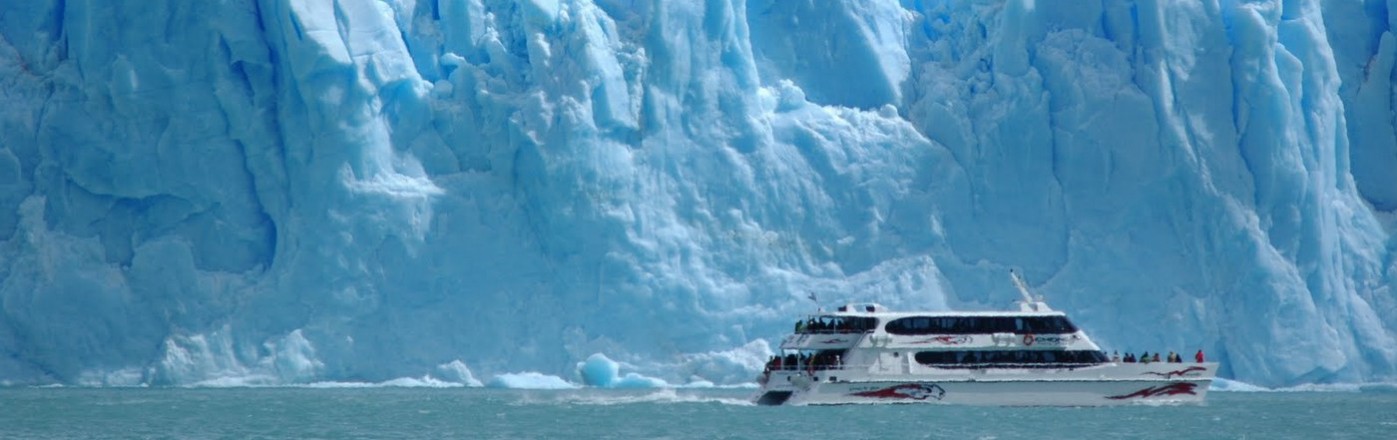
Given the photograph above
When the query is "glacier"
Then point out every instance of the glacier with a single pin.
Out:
(294, 192)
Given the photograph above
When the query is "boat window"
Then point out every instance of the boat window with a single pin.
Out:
(960, 325)
(1011, 358)
(1047, 324)
(837, 324)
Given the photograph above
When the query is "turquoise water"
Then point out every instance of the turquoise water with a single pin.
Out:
(406, 413)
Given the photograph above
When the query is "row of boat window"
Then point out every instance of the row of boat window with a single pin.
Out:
(837, 324)
(1021, 358)
(963, 325)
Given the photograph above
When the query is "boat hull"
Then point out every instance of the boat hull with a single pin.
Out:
(1008, 393)
(1127, 385)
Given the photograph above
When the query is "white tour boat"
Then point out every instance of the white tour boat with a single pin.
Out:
(864, 353)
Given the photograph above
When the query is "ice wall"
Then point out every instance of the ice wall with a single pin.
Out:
(281, 191)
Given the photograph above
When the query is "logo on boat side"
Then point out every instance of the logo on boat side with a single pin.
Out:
(1162, 390)
(1031, 339)
(834, 341)
(1180, 373)
(914, 391)
(945, 340)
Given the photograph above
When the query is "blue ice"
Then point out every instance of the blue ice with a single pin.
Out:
(284, 192)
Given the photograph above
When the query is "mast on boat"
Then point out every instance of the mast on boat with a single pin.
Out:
(1029, 303)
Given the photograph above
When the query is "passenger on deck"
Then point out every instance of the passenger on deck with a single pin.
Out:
(1156, 357)
(1198, 357)
(1115, 356)
(1129, 358)
(1145, 357)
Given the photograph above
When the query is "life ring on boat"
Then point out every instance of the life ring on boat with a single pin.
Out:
(1028, 339)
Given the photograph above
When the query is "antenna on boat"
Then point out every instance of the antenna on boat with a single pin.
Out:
(1029, 304)
(811, 296)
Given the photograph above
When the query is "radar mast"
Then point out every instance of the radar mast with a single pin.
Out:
(1029, 303)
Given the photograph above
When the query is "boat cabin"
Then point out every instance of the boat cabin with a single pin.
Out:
(870, 333)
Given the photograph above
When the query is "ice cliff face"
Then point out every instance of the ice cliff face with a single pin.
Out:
(273, 191)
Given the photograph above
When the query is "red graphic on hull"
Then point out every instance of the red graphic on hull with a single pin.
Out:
(1180, 373)
(1172, 389)
(914, 391)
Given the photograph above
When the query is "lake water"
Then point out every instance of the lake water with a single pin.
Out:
(406, 413)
